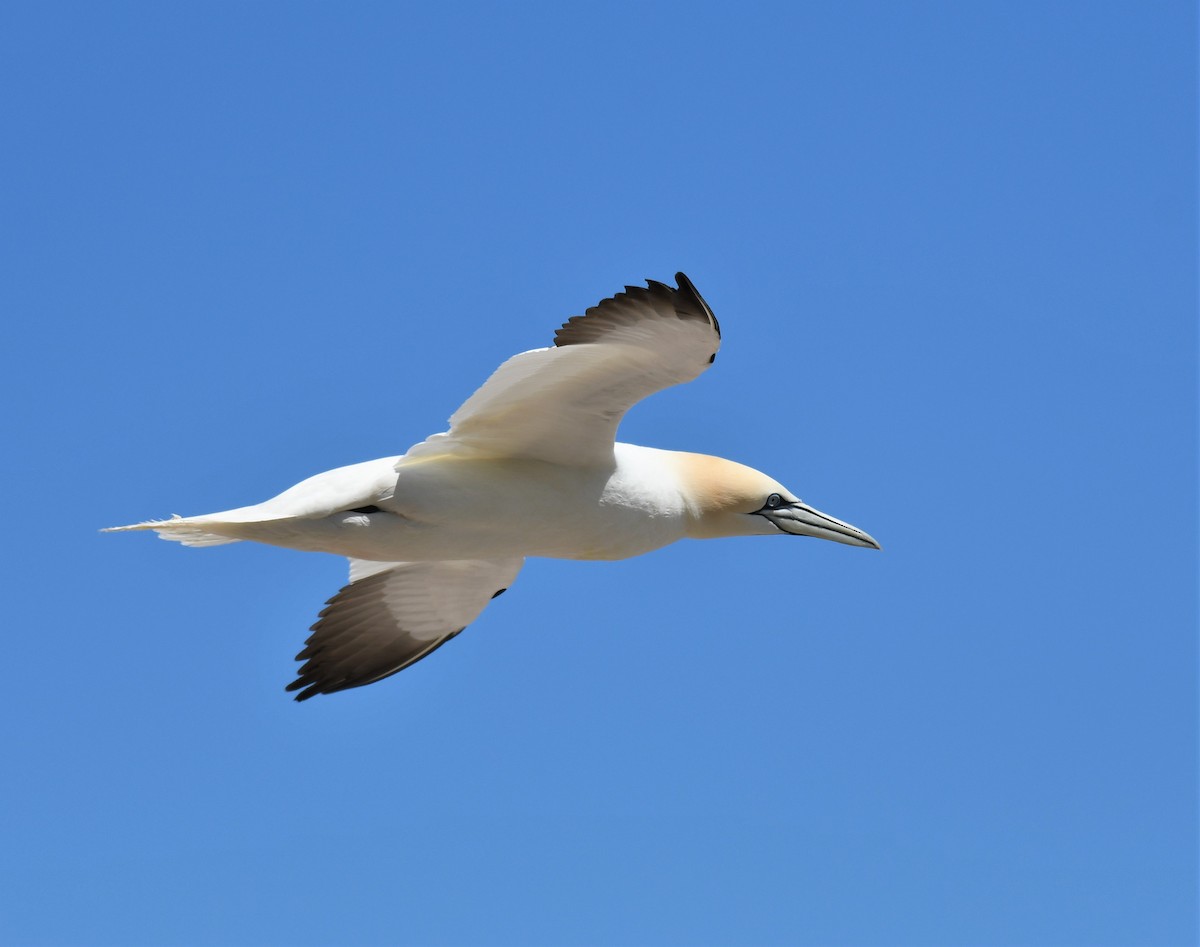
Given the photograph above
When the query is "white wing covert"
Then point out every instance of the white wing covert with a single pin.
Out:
(391, 615)
(563, 404)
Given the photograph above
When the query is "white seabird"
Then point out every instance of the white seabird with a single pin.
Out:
(529, 467)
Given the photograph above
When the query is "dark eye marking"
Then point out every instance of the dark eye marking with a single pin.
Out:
(773, 501)
(365, 509)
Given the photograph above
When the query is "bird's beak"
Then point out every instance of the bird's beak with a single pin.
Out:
(800, 519)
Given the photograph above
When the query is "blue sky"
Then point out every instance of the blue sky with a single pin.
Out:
(953, 249)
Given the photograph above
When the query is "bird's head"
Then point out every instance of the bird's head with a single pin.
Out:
(725, 498)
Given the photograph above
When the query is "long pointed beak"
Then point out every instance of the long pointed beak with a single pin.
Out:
(800, 519)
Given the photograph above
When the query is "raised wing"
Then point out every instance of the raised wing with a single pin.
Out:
(391, 615)
(563, 404)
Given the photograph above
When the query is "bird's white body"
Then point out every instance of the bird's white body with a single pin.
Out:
(529, 467)
(454, 507)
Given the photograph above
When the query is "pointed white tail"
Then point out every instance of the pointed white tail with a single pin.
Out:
(179, 530)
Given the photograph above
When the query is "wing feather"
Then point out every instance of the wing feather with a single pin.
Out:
(563, 404)
(391, 615)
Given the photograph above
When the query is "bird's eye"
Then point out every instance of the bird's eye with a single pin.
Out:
(773, 501)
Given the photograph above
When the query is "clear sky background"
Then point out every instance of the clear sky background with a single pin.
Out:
(953, 248)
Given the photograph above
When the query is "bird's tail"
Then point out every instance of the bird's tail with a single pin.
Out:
(187, 530)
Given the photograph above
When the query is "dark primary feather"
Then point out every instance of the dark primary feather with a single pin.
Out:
(356, 642)
(635, 305)
(393, 614)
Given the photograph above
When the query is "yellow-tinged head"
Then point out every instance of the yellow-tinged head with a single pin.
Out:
(725, 498)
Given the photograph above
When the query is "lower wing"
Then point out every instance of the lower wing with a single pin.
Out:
(391, 615)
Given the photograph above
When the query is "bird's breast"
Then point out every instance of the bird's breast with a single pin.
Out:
(470, 508)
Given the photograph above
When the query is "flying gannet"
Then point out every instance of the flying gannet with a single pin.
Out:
(529, 467)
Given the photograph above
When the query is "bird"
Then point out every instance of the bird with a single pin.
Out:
(529, 467)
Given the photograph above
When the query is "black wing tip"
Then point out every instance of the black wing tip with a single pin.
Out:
(317, 679)
(688, 290)
(310, 687)
(310, 684)
(685, 299)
